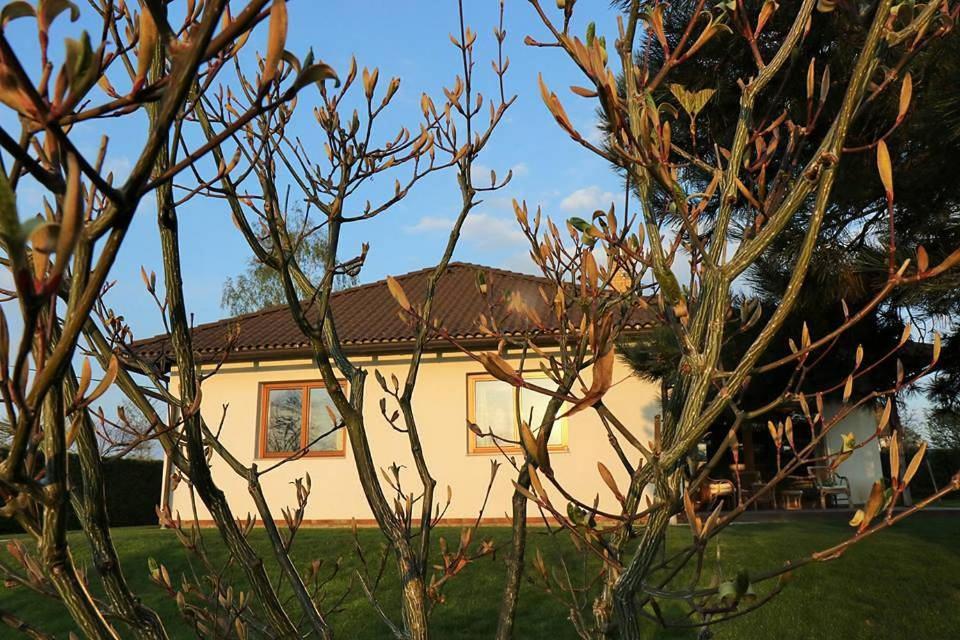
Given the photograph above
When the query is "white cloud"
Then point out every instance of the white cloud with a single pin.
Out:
(589, 198)
(427, 224)
(119, 166)
(480, 229)
(485, 230)
(520, 169)
(501, 202)
(521, 262)
(592, 132)
(480, 174)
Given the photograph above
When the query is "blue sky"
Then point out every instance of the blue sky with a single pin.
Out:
(409, 40)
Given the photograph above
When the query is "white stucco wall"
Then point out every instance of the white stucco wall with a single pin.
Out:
(863, 468)
(441, 407)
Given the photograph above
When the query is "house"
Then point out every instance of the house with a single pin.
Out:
(269, 399)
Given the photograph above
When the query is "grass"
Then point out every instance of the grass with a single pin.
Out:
(902, 583)
(950, 500)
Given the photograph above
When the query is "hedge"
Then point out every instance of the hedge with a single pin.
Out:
(132, 487)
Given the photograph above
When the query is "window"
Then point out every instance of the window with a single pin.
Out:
(294, 416)
(490, 406)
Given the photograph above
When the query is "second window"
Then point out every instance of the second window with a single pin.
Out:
(490, 405)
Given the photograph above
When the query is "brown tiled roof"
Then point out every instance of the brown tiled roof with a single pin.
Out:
(367, 318)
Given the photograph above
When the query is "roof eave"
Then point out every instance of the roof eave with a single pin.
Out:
(373, 348)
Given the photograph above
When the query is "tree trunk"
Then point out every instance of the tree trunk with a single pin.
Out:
(627, 624)
(90, 505)
(413, 595)
(515, 561)
(54, 553)
(199, 470)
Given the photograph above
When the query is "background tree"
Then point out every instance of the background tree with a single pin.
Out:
(128, 434)
(259, 286)
(943, 428)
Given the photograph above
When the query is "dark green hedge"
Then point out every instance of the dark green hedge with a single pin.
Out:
(133, 492)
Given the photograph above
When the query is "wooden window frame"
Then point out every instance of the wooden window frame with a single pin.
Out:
(304, 386)
(474, 449)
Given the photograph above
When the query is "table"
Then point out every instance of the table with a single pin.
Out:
(792, 499)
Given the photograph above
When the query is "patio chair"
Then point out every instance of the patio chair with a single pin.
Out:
(713, 489)
(829, 485)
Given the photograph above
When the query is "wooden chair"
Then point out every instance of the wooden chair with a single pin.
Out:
(750, 485)
(829, 485)
(713, 489)
(766, 500)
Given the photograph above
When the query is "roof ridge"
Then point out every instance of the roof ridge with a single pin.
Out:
(450, 265)
(383, 281)
(243, 316)
(506, 272)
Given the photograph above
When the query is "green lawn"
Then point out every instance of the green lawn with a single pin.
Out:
(902, 583)
(951, 500)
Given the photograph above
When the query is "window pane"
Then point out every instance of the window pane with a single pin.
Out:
(320, 422)
(535, 402)
(284, 419)
(493, 411)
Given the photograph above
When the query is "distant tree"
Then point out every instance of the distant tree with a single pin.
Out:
(943, 427)
(259, 286)
(128, 435)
